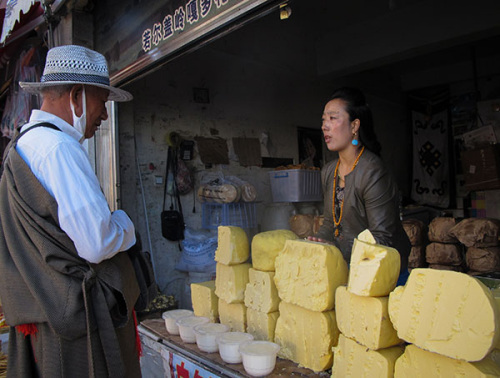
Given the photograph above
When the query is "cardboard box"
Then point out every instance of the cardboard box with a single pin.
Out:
(481, 167)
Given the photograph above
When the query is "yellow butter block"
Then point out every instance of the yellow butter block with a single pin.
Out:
(308, 273)
(367, 237)
(306, 337)
(261, 293)
(261, 325)
(446, 312)
(266, 246)
(232, 245)
(204, 300)
(351, 359)
(234, 315)
(374, 269)
(416, 362)
(231, 282)
(365, 319)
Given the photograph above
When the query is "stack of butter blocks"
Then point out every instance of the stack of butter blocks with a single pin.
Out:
(261, 295)
(307, 275)
(231, 276)
(451, 321)
(368, 343)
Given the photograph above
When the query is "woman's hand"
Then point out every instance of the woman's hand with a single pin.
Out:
(319, 240)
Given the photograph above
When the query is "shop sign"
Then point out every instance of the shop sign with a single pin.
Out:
(144, 34)
(185, 16)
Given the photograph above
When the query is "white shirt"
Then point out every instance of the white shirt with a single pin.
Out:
(62, 166)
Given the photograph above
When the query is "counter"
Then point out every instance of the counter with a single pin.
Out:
(186, 360)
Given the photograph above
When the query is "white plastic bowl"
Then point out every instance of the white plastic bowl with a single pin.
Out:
(229, 344)
(186, 325)
(171, 318)
(206, 336)
(259, 357)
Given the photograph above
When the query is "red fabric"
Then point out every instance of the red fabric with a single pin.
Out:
(27, 329)
(137, 338)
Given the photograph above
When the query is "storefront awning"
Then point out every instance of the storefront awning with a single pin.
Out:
(19, 17)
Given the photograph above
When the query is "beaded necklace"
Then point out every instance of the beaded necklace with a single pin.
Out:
(335, 221)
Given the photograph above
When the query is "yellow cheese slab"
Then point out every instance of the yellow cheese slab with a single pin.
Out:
(367, 237)
(266, 246)
(446, 312)
(231, 282)
(416, 362)
(232, 245)
(261, 293)
(234, 315)
(261, 325)
(204, 300)
(351, 359)
(365, 319)
(374, 269)
(306, 337)
(308, 273)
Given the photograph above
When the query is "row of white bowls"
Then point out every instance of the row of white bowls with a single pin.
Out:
(258, 357)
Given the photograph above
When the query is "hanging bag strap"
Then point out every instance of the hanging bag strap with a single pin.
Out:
(176, 190)
(166, 178)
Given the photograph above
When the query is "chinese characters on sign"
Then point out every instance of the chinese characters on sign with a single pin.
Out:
(191, 13)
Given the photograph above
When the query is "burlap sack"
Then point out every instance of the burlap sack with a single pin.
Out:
(483, 260)
(417, 257)
(302, 225)
(456, 268)
(416, 231)
(318, 222)
(444, 254)
(439, 230)
(477, 232)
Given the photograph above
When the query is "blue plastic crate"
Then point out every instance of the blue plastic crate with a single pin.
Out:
(240, 214)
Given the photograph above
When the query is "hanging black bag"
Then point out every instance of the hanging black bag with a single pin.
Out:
(172, 220)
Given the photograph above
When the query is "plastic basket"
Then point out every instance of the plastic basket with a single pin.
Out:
(240, 214)
(296, 185)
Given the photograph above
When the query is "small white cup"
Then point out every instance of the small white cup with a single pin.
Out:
(171, 318)
(229, 344)
(259, 357)
(206, 336)
(186, 325)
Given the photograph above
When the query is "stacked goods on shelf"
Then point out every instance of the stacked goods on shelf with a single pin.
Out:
(417, 233)
(261, 295)
(481, 238)
(451, 321)
(444, 250)
(231, 276)
(306, 276)
(368, 343)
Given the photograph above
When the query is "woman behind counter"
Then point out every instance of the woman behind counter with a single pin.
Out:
(359, 192)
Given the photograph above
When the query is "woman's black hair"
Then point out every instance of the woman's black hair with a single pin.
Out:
(357, 108)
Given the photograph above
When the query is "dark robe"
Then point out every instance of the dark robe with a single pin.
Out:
(82, 312)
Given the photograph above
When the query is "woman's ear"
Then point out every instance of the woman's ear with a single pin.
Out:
(355, 125)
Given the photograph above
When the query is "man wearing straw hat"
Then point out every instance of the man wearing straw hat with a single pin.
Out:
(67, 291)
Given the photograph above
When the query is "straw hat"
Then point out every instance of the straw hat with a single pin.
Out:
(73, 64)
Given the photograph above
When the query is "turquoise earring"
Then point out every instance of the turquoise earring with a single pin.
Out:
(354, 142)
